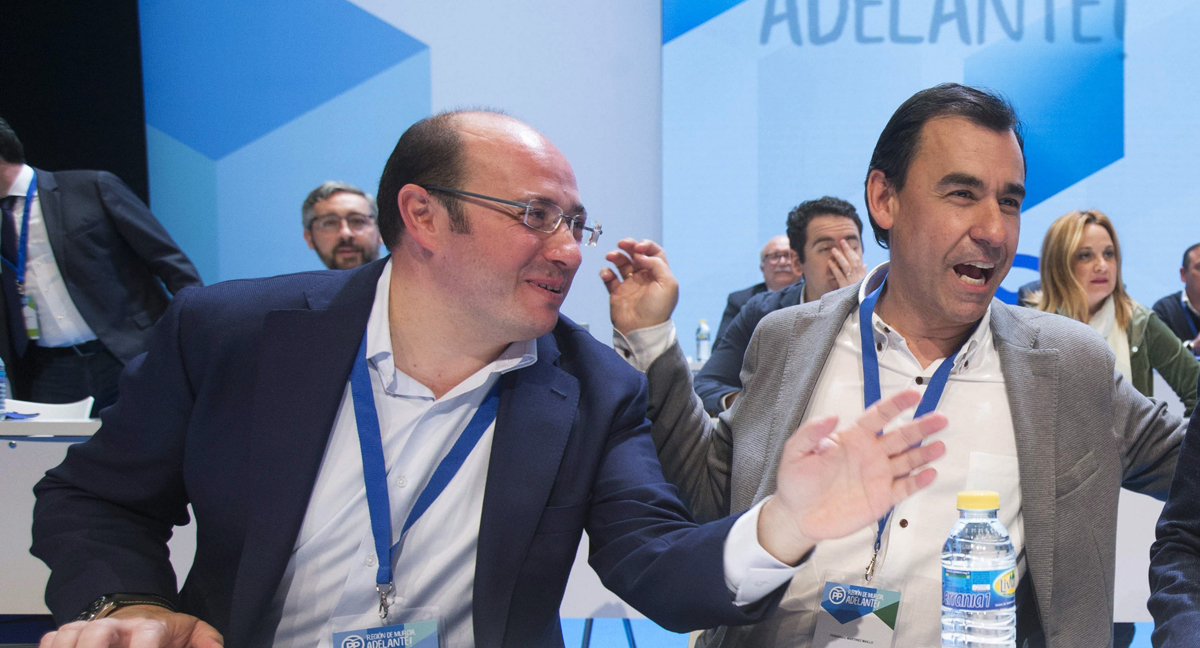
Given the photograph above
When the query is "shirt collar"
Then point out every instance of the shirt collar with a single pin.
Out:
(21, 184)
(396, 383)
(969, 349)
(1188, 303)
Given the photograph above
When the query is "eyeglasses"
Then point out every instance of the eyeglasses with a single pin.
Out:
(329, 223)
(776, 257)
(541, 215)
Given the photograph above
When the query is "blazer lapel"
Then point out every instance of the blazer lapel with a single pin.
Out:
(537, 409)
(1031, 379)
(303, 366)
(813, 337)
(51, 205)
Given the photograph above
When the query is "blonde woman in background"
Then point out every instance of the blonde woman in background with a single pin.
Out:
(1081, 278)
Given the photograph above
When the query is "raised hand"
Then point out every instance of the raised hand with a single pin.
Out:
(832, 484)
(846, 263)
(642, 292)
(136, 626)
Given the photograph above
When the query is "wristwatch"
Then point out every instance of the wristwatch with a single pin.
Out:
(109, 603)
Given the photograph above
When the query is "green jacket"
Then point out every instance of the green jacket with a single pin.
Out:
(1152, 346)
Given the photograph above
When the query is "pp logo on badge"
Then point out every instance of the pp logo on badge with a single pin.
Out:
(353, 641)
(836, 596)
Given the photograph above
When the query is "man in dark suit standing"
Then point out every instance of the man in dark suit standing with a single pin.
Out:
(1181, 310)
(435, 398)
(84, 269)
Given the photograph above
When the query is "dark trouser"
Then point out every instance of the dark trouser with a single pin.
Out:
(67, 374)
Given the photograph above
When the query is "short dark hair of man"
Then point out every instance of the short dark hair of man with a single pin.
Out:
(897, 145)
(11, 150)
(799, 217)
(1187, 253)
(326, 191)
(428, 153)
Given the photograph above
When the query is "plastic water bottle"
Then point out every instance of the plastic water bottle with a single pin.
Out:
(703, 348)
(3, 392)
(979, 577)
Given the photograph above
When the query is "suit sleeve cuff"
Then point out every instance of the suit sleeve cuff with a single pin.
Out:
(643, 346)
(750, 572)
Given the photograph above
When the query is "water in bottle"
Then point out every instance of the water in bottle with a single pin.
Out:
(979, 577)
(3, 392)
(703, 348)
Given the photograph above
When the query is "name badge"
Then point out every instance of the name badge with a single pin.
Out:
(31, 319)
(417, 634)
(856, 615)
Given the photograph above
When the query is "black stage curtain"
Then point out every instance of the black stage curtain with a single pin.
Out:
(71, 85)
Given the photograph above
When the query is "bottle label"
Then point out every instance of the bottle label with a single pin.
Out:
(982, 589)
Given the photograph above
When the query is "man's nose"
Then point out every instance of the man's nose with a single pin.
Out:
(562, 248)
(989, 226)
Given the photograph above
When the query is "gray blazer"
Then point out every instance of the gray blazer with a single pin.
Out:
(1082, 433)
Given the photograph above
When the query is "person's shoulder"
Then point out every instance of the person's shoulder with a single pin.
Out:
(235, 299)
(744, 295)
(790, 318)
(1167, 303)
(769, 301)
(1039, 329)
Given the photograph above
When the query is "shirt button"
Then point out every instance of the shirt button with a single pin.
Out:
(402, 481)
(371, 560)
(903, 524)
(920, 380)
(879, 346)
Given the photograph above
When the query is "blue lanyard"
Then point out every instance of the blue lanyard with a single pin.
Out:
(872, 392)
(1189, 316)
(370, 441)
(23, 240)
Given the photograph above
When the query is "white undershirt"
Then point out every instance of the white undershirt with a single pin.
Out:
(981, 454)
(58, 320)
(331, 572)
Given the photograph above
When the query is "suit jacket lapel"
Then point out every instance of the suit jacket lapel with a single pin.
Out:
(813, 337)
(52, 216)
(1031, 379)
(537, 409)
(303, 366)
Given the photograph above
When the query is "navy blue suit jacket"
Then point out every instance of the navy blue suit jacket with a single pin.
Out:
(230, 410)
(734, 303)
(1175, 556)
(722, 373)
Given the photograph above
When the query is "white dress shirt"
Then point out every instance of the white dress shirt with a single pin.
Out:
(59, 321)
(981, 454)
(331, 573)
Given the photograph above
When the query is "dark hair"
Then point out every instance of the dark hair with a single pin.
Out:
(428, 153)
(11, 150)
(799, 217)
(897, 145)
(1187, 252)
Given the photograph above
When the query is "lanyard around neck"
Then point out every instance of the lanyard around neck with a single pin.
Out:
(23, 239)
(872, 392)
(370, 441)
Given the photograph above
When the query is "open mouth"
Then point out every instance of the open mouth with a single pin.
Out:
(975, 273)
(557, 290)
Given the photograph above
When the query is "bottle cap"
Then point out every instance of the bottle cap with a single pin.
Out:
(979, 500)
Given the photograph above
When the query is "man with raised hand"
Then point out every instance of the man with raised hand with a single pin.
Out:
(421, 442)
(1036, 411)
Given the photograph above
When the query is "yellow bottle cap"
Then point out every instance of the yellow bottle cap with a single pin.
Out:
(978, 500)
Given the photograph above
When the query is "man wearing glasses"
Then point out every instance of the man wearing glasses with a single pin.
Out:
(420, 442)
(778, 264)
(339, 223)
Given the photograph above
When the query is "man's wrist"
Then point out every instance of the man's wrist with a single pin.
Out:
(779, 535)
(107, 605)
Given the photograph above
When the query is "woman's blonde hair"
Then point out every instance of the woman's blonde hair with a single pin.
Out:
(1061, 292)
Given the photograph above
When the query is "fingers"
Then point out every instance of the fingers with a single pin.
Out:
(914, 458)
(911, 433)
(902, 488)
(878, 415)
(840, 265)
(809, 436)
(633, 256)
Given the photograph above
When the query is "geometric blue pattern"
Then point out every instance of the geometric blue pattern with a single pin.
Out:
(222, 73)
(682, 16)
(1070, 93)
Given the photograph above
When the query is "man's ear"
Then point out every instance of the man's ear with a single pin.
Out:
(881, 199)
(419, 212)
(308, 238)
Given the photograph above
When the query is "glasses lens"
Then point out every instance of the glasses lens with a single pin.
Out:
(542, 215)
(358, 223)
